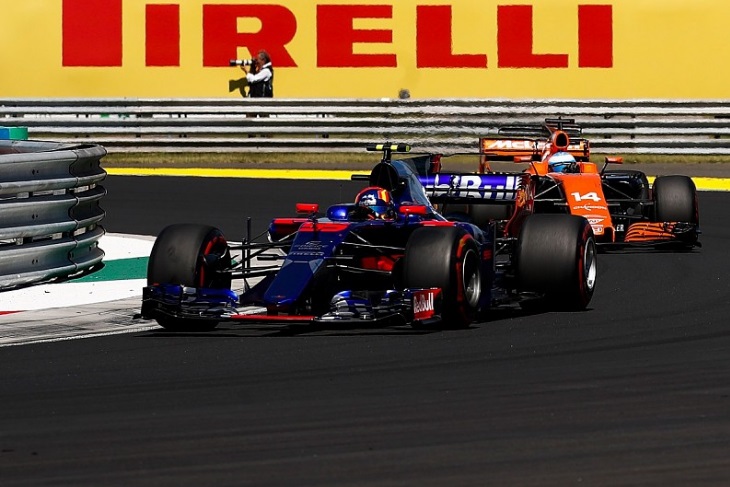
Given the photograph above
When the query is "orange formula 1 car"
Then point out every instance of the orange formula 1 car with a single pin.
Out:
(621, 206)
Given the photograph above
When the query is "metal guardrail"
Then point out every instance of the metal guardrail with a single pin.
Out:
(346, 125)
(49, 210)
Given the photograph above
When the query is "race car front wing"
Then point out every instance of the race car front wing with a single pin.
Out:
(362, 308)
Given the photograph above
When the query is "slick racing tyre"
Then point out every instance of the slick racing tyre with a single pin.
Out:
(630, 187)
(555, 256)
(631, 182)
(482, 215)
(447, 258)
(455, 212)
(187, 254)
(675, 199)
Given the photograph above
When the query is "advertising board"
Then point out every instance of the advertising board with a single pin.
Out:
(597, 49)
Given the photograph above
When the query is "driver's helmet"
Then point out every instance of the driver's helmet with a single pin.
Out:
(562, 162)
(377, 202)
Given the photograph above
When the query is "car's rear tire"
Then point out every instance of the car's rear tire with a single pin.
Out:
(639, 187)
(631, 185)
(186, 254)
(482, 215)
(447, 258)
(675, 199)
(555, 256)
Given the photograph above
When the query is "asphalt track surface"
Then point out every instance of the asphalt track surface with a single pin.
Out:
(633, 391)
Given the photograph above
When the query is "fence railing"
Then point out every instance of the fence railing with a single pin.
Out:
(346, 125)
(49, 210)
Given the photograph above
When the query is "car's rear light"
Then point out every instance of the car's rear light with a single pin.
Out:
(307, 208)
(413, 210)
(435, 163)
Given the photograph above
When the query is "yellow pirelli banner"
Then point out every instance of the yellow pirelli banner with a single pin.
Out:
(368, 48)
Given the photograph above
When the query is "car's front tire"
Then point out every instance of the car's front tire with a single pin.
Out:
(675, 199)
(447, 258)
(187, 255)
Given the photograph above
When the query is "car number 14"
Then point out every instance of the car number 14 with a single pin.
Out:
(593, 196)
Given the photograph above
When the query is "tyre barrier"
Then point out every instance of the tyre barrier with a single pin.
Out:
(49, 210)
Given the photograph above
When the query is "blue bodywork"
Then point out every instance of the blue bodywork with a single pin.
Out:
(317, 241)
(451, 187)
(321, 277)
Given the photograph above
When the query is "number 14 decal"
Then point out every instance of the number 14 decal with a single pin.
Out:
(593, 196)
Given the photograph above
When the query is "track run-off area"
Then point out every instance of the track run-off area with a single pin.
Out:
(632, 391)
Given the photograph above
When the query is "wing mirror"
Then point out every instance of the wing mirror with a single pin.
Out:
(611, 160)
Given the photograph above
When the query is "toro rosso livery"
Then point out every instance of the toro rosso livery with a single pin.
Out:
(387, 257)
(621, 206)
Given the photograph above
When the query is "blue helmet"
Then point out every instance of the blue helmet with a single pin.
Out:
(562, 162)
(377, 201)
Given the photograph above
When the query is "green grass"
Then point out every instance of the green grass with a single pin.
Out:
(664, 158)
(336, 159)
(233, 160)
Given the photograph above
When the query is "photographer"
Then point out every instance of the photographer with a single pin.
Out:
(261, 78)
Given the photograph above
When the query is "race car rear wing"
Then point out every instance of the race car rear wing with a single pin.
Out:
(542, 131)
(519, 142)
(508, 149)
(472, 188)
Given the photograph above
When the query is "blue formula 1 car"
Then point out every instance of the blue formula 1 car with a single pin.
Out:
(389, 257)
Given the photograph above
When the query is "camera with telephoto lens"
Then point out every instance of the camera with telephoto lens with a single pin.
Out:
(240, 62)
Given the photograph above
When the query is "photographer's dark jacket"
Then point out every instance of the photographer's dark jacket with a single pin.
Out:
(261, 84)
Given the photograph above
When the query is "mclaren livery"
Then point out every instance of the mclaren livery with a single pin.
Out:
(621, 206)
(387, 257)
